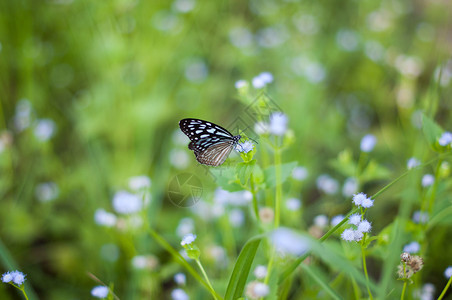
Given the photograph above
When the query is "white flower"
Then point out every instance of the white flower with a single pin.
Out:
(288, 241)
(348, 235)
(368, 143)
(244, 147)
(358, 199)
(7, 277)
(236, 217)
(260, 272)
(188, 239)
(367, 203)
(364, 226)
(127, 203)
(412, 247)
(47, 191)
(327, 184)
(278, 123)
(137, 183)
(448, 272)
(420, 217)
(293, 204)
(179, 294)
(428, 180)
(257, 82)
(241, 84)
(102, 217)
(44, 129)
(445, 139)
(261, 289)
(183, 6)
(350, 186)
(180, 278)
(261, 128)
(266, 77)
(336, 220)
(300, 173)
(354, 219)
(412, 163)
(358, 235)
(186, 225)
(100, 291)
(321, 221)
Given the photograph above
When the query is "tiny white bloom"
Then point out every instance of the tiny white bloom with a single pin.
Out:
(354, 219)
(350, 187)
(299, 173)
(261, 289)
(412, 163)
(180, 278)
(278, 123)
(188, 239)
(321, 221)
(420, 217)
(260, 272)
(448, 272)
(412, 247)
(179, 294)
(47, 191)
(359, 198)
(44, 129)
(348, 235)
(287, 241)
(293, 204)
(139, 182)
(336, 220)
(326, 184)
(186, 225)
(241, 84)
(100, 291)
(368, 143)
(367, 203)
(236, 217)
(266, 77)
(102, 217)
(244, 147)
(7, 277)
(445, 139)
(126, 203)
(261, 128)
(358, 235)
(258, 83)
(364, 226)
(18, 277)
(428, 180)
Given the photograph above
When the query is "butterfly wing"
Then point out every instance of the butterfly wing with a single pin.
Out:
(211, 143)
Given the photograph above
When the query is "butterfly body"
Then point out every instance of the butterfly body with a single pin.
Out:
(211, 143)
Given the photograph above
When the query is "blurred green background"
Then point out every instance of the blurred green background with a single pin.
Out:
(92, 92)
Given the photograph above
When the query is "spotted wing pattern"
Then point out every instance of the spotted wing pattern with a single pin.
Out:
(211, 143)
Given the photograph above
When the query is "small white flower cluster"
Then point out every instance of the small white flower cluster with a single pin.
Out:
(413, 162)
(360, 225)
(244, 147)
(412, 248)
(445, 139)
(448, 272)
(100, 291)
(327, 184)
(188, 239)
(15, 277)
(179, 293)
(262, 80)
(256, 289)
(368, 143)
(427, 180)
(127, 203)
(277, 125)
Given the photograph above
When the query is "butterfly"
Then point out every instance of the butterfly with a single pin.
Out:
(211, 143)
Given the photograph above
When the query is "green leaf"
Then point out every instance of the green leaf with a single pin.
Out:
(321, 279)
(226, 178)
(432, 132)
(242, 268)
(286, 170)
(244, 170)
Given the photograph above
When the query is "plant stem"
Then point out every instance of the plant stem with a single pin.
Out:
(278, 188)
(403, 290)
(23, 291)
(206, 277)
(253, 191)
(445, 289)
(363, 252)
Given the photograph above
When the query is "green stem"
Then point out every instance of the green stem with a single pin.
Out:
(253, 191)
(278, 195)
(445, 289)
(403, 290)
(363, 253)
(23, 291)
(160, 240)
(206, 277)
(434, 187)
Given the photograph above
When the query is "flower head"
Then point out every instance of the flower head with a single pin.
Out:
(359, 198)
(293, 204)
(412, 163)
(364, 226)
(179, 294)
(427, 180)
(448, 272)
(445, 139)
(102, 217)
(368, 143)
(127, 203)
(188, 239)
(348, 235)
(287, 241)
(100, 291)
(137, 183)
(15, 276)
(180, 278)
(327, 184)
(412, 247)
(278, 123)
(7, 277)
(299, 173)
(354, 219)
(336, 220)
(350, 186)
(260, 272)
(244, 147)
(367, 203)
(256, 290)
(241, 84)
